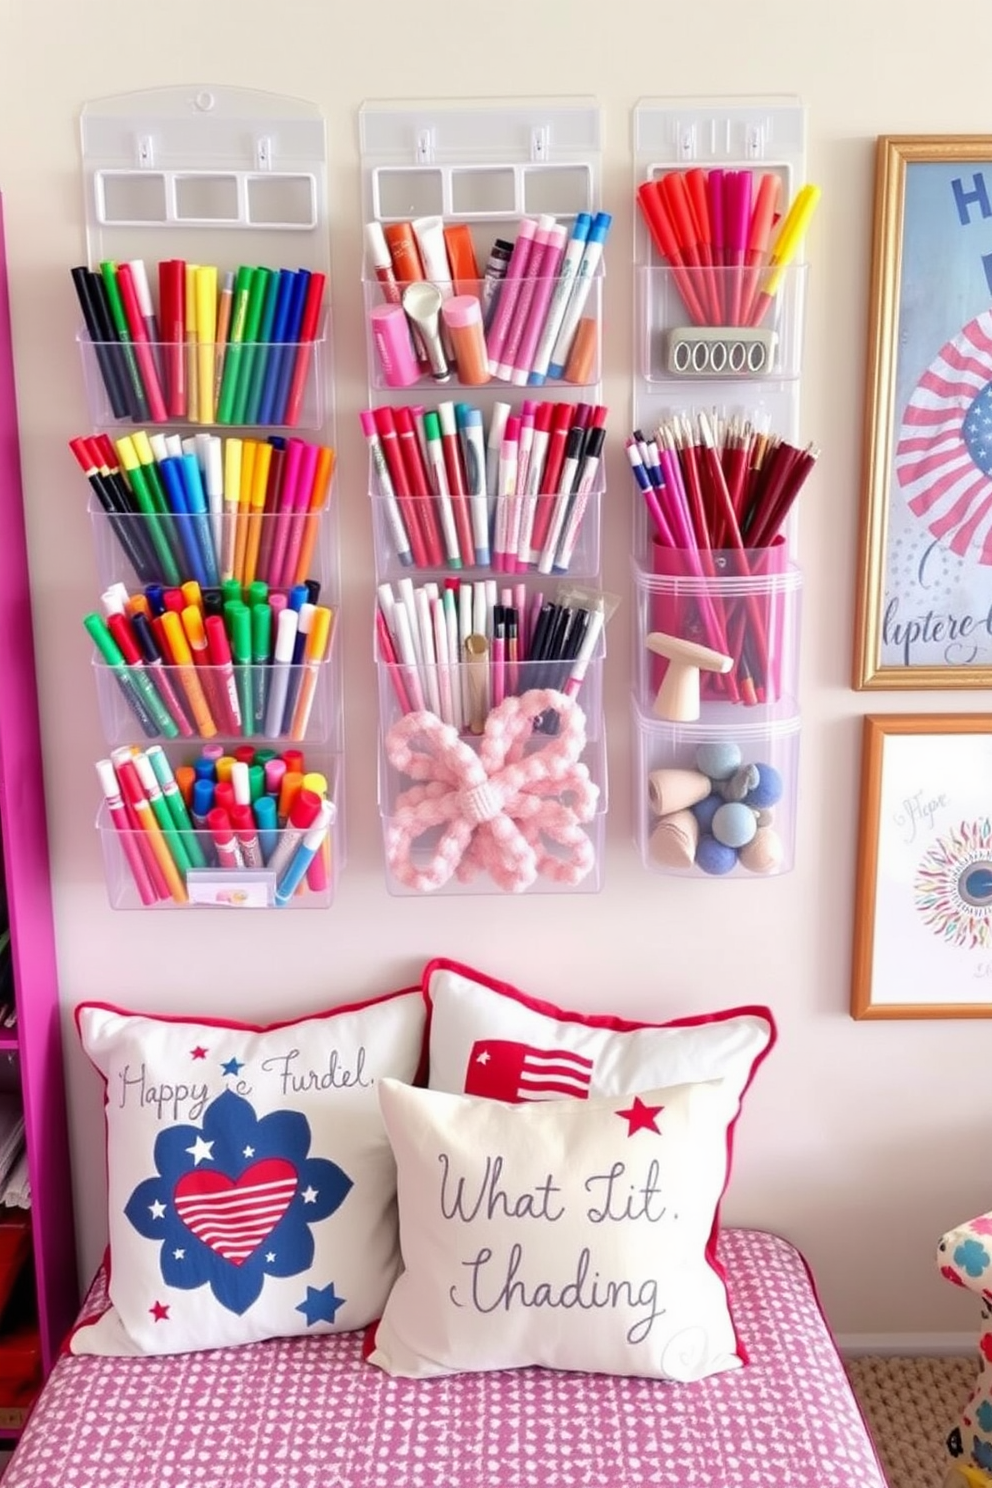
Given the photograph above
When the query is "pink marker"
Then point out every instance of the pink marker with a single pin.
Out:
(125, 831)
(525, 298)
(545, 279)
(506, 489)
(524, 448)
(512, 281)
(298, 515)
(282, 517)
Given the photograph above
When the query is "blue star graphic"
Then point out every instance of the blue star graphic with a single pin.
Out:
(232, 1066)
(320, 1304)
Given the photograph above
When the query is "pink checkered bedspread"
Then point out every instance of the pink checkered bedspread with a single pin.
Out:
(308, 1413)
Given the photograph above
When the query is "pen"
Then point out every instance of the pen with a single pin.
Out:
(305, 850)
(558, 303)
(439, 480)
(394, 517)
(475, 472)
(100, 339)
(509, 290)
(592, 255)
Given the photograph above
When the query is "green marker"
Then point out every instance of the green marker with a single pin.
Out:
(163, 815)
(146, 456)
(264, 350)
(235, 345)
(142, 698)
(250, 350)
(261, 656)
(239, 629)
(109, 273)
(177, 806)
(155, 522)
(257, 593)
(435, 461)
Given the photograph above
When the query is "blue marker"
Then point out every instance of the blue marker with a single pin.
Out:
(266, 810)
(196, 500)
(592, 254)
(278, 350)
(559, 299)
(294, 324)
(175, 492)
(313, 841)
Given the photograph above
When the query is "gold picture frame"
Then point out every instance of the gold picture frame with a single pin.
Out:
(922, 944)
(924, 599)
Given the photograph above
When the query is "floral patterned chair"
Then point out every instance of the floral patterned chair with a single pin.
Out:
(964, 1256)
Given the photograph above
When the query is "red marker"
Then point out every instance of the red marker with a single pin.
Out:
(419, 485)
(385, 427)
(220, 828)
(308, 331)
(219, 649)
(129, 840)
(142, 346)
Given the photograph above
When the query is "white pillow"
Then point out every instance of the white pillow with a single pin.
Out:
(567, 1234)
(489, 1039)
(251, 1186)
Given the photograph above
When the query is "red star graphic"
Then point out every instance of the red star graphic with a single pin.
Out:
(160, 1312)
(198, 1053)
(640, 1117)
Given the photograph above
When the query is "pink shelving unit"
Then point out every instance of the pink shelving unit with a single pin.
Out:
(36, 1052)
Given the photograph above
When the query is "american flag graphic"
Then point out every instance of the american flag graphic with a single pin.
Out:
(234, 1216)
(944, 454)
(502, 1070)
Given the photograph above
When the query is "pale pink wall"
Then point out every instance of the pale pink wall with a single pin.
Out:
(861, 1142)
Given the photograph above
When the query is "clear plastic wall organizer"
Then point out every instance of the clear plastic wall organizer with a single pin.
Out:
(482, 286)
(719, 344)
(242, 175)
(206, 351)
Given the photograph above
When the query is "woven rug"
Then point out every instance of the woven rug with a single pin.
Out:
(911, 1405)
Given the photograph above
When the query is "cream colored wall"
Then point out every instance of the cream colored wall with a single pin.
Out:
(861, 1142)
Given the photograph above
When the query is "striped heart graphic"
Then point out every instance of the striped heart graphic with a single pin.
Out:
(234, 1215)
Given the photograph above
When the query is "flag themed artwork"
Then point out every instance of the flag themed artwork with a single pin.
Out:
(926, 565)
(251, 1182)
(501, 1069)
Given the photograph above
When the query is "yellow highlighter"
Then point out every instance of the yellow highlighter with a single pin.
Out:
(206, 337)
(783, 250)
(316, 649)
(232, 499)
(182, 660)
(192, 360)
(248, 448)
(259, 486)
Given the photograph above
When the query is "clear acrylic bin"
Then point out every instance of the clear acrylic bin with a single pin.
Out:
(278, 385)
(749, 609)
(135, 549)
(463, 694)
(693, 323)
(575, 520)
(716, 799)
(579, 356)
(201, 702)
(567, 848)
(214, 887)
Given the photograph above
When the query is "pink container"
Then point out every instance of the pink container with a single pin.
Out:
(394, 348)
(744, 605)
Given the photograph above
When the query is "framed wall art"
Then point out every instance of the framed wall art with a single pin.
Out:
(923, 894)
(924, 612)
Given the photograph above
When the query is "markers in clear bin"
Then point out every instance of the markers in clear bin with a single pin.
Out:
(460, 650)
(521, 321)
(717, 486)
(511, 496)
(722, 235)
(211, 347)
(249, 811)
(231, 661)
(210, 508)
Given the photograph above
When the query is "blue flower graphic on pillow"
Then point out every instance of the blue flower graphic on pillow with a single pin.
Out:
(234, 1199)
(983, 1415)
(972, 1257)
(981, 1452)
